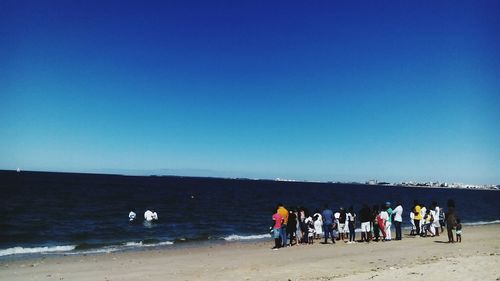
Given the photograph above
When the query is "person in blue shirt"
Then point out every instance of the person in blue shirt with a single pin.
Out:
(328, 224)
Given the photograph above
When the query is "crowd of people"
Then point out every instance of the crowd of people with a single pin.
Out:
(298, 226)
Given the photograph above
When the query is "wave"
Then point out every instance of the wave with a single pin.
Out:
(481, 222)
(36, 250)
(144, 244)
(81, 249)
(234, 237)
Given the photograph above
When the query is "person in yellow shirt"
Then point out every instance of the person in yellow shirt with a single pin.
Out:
(284, 214)
(418, 217)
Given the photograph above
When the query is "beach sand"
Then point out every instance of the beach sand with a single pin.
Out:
(413, 258)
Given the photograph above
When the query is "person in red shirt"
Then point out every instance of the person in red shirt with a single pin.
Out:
(277, 222)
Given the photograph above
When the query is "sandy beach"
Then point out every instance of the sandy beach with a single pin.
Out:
(413, 258)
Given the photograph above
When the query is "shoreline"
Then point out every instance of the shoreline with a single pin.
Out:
(478, 254)
(134, 246)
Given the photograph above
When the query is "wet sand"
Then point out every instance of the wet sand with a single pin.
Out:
(413, 258)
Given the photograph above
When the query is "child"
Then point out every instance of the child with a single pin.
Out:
(308, 230)
(427, 223)
(318, 225)
(459, 231)
(441, 218)
(311, 232)
(277, 221)
(412, 221)
(381, 218)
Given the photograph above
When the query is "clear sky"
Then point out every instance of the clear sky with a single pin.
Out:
(317, 90)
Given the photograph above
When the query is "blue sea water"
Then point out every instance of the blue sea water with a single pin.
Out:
(86, 213)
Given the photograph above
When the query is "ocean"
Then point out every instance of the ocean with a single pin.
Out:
(67, 213)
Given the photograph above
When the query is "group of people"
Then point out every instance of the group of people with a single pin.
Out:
(149, 216)
(298, 226)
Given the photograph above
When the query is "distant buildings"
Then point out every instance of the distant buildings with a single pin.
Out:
(448, 185)
(428, 184)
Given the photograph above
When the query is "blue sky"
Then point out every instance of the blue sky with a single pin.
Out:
(317, 90)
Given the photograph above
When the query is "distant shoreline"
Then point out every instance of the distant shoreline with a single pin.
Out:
(250, 179)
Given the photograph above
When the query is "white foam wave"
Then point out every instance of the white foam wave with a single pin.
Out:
(481, 222)
(235, 237)
(111, 249)
(94, 251)
(35, 250)
(140, 244)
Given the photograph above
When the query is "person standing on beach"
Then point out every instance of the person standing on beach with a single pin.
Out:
(342, 224)
(436, 224)
(417, 217)
(328, 224)
(398, 219)
(459, 231)
(277, 222)
(412, 221)
(318, 224)
(388, 222)
(375, 224)
(350, 220)
(382, 221)
(365, 218)
(451, 220)
(441, 218)
(284, 214)
(336, 217)
(291, 227)
(423, 211)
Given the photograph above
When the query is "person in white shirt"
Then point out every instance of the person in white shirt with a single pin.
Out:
(412, 221)
(337, 229)
(384, 216)
(148, 215)
(433, 219)
(131, 216)
(398, 219)
(318, 224)
(436, 223)
(423, 211)
(350, 221)
(308, 221)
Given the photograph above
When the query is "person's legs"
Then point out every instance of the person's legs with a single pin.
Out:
(334, 235)
(431, 229)
(366, 230)
(352, 234)
(376, 231)
(326, 232)
(298, 234)
(388, 231)
(331, 234)
(277, 240)
(370, 232)
(417, 226)
(398, 230)
(450, 234)
(283, 235)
